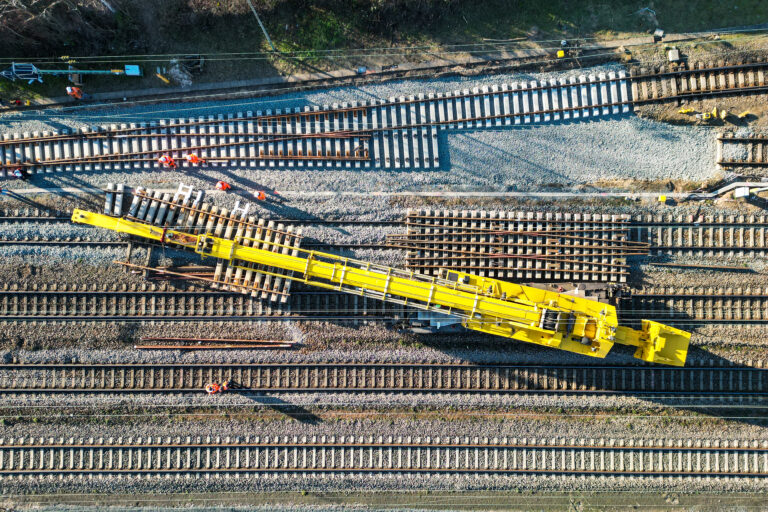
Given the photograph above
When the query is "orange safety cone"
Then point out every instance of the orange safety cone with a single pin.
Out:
(260, 195)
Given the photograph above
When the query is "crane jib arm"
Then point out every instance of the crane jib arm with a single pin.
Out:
(488, 305)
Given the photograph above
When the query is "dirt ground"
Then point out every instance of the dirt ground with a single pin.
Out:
(753, 107)
(429, 500)
(314, 36)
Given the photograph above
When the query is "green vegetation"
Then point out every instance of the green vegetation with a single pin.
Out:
(309, 28)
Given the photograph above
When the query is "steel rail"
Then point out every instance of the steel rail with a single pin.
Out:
(760, 139)
(368, 132)
(452, 456)
(654, 381)
(742, 163)
(94, 134)
(137, 156)
(102, 136)
(336, 111)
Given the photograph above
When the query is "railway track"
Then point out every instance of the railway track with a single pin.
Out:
(735, 152)
(185, 456)
(552, 247)
(721, 235)
(153, 302)
(393, 133)
(185, 208)
(700, 80)
(706, 381)
(685, 306)
(42, 215)
(514, 245)
(518, 245)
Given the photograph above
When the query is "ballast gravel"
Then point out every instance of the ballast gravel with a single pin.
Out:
(649, 429)
(573, 156)
(530, 157)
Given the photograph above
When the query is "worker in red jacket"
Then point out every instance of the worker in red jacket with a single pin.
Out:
(75, 92)
(223, 185)
(193, 159)
(167, 162)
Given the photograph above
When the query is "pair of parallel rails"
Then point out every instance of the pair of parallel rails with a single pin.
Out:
(683, 307)
(567, 247)
(394, 133)
(707, 380)
(240, 456)
(748, 153)
(191, 304)
(505, 245)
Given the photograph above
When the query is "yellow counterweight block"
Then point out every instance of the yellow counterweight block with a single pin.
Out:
(496, 307)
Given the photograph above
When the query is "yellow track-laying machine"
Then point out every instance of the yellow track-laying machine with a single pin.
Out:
(487, 305)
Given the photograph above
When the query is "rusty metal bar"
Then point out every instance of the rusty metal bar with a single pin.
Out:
(213, 347)
(182, 125)
(217, 340)
(197, 278)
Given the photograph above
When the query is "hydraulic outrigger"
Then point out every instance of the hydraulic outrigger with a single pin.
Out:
(496, 307)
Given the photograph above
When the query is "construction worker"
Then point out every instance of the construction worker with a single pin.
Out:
(75, 92)
(193, 159)
(260, 195)
(167, 162)
(224, 386)
(212, 388)
(20, 174)
(223, 185)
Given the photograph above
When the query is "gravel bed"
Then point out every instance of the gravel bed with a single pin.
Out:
(348, 340)
(540, 427)
(55, 119)
(54, 231)
(530, 157)
(634, 428)
(367, 344)
(393, 482)
(58, 256)
(739, 151)
(590, 404)
(527, 158)
(753, 275)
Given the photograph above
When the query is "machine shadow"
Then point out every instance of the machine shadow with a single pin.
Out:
(742, 393)
(279, 405)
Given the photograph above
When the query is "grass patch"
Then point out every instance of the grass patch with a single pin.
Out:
(472, 21)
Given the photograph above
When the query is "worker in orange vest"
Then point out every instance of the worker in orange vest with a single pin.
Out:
(212, 388)
(260, 195)
(193, 159)
(167, 162)
(223, 185)
(20, 173)
(75, 92)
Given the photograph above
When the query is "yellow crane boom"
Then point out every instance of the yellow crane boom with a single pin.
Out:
(488, 305)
